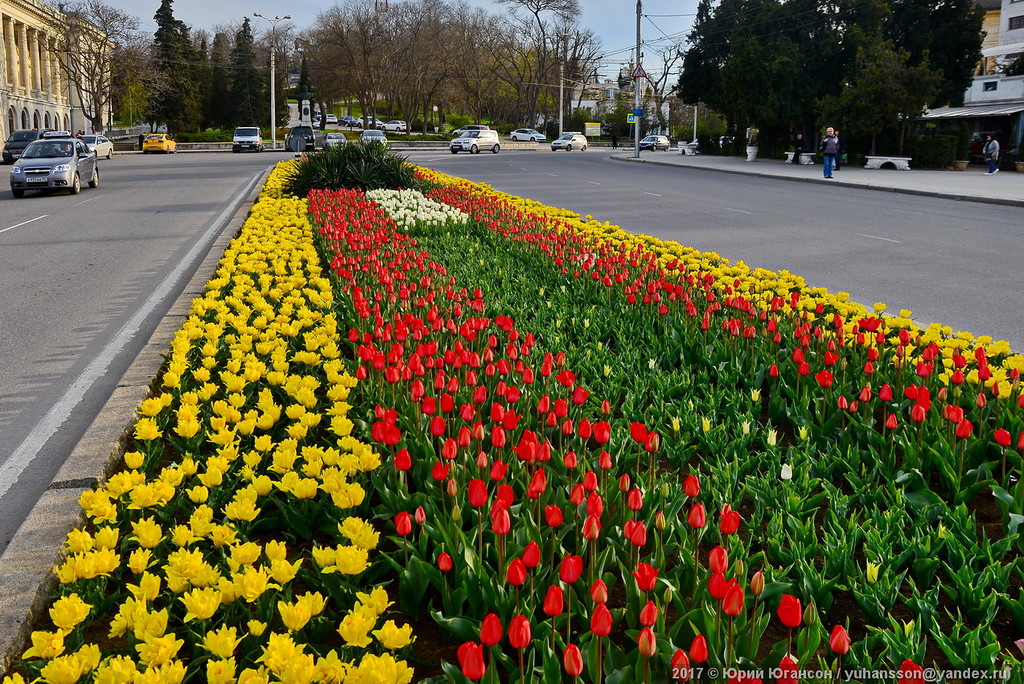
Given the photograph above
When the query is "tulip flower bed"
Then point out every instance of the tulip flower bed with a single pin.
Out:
(592, 425)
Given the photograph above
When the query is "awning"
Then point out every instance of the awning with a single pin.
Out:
(1003, 50)
(975, 111)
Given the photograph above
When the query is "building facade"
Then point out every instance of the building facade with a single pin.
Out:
(34, 92)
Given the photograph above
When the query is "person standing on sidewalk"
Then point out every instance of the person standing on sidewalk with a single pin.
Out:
(840, 148)
(829, 148)
(799, 147)
(991, 152)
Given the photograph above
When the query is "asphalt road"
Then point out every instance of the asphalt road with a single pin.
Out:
(85, 280)
(947, 261)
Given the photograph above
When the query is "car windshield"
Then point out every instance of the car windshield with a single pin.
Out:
(373, 134)
(154, 137)
(247, 131)
(22, 136)
(89, 139)
(566, 136)
(334, 136)
(49, 150)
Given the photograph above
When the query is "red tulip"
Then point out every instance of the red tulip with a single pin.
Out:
(516, 573)
(471, 660)
(638, 537)
(402, 460)
(839, 642)
(531, 555)
(554, 601)
(649, 614)
(501, 523)
(790, 611)
(787, 671)
(646, 576)
(403, 523)
(437, 426)
(647, 642)
(498, 469)
(891, 423)
(680, 666)
(697, 517)
(718, 559)
(601, 620)
(717, 586)
(602, 432)
(910, 673)
(440, 471)
(519, 635)
(599, 591)
(553, 515)
(635, 500)
(444, 562)
(595, 504)
(732, 604)
(638, 431)
(730, 522)
(964, 429)
(691, 486)
(490, 629)
(699, 649)
(573, 660)
(420, 516)
(571, 568)
(591, 528)
(1002, 437)
(590, 481)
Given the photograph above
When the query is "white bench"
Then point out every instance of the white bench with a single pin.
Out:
(898, 163)
(805, 157)
(688, 149)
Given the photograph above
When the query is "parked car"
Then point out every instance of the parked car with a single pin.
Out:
(17, 142)
(332, 118)
(370, 122)
(395, 126)
(349, 121)
(57, 161)
(471, 127)
(335, 139)
(304, 139)
(159, 142)
(247, 138)
(569, 141)
(474, 141)
(103, 146)
(655, 142)
(370, 136)
(527, 135)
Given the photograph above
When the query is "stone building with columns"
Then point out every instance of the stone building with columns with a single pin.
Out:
(34, 91)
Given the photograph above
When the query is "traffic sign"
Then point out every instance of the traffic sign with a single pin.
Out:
(630, 118)
(638, 72)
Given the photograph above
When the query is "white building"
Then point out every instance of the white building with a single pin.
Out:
(34, 93)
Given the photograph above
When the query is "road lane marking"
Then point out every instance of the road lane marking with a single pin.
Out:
(652, 194)
(83, 201)
(593, 182)
(553, 175)
(16, 225)
(740, 211)
(875, 237)
(50, 424)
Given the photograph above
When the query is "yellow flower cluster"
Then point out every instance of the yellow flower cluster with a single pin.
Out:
(250, 419)
(760, 286)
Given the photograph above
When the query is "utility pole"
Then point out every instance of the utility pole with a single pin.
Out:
(273, 75)
(561, 89)
(636, 84)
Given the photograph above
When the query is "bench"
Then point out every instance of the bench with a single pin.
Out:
(689, 149)
(898, 163)
(805, 157)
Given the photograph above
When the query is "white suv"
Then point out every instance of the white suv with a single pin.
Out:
(474, 141)
(569, 142)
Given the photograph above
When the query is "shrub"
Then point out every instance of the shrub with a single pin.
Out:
(368, 167)
(933, 151)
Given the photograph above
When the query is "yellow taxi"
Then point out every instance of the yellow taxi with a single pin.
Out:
(159, 142)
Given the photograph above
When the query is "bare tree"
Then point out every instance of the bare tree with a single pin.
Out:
(86, 44)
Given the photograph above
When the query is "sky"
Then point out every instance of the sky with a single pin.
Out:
(613, 21)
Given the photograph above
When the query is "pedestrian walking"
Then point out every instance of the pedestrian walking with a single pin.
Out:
(799, 147)
(829, 148)
(991, 152)
(615, 140)
(840, 149)
(142, 137)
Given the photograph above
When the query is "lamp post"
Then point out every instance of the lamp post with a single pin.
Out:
(273, 74)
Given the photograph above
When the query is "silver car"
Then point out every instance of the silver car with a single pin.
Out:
(369, 137)
(569, 142)
(103, 146)
(527, 135)
(55, 162)
(335, 139)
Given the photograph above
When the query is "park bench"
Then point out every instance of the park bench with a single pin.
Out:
(898, 163)
(805, 157)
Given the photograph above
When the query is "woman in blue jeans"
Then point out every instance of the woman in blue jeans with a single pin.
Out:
(991, 152)
(829, 148)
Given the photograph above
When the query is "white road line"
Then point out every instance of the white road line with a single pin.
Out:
(652, 194)
(83, 201)
(739, 211)
(23, 223)
(907, 211)
(553, 175)
(875, 237)
(29, 449)
(593, 182)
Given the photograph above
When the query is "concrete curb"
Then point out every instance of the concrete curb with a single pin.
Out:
(833, 182)
(27, 577)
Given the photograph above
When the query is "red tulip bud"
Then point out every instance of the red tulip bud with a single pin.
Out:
(471, 660)
(647, 642)
(519, 635)
(444, 562)
(599, 591)
(491, 630)
(699, 649)
(573, 660)
(839, 642)
(601, 620)
(649, 614)
(554, 601)
(790, 611)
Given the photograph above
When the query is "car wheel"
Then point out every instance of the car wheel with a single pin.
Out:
(18, 193)
(110, 154)
(474, 150)
(583, 149)
(95, 181)
(495, 149)
(76, 185)
(568, 148)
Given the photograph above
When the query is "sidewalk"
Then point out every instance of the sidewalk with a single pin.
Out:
(972, 185)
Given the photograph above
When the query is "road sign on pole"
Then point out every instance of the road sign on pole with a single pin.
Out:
(638, 72)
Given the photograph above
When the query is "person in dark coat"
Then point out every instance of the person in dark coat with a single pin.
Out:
(142, 137)
(799, 147)
(841, 148)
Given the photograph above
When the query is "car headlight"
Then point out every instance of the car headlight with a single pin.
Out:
(62, 167)
(16, 171)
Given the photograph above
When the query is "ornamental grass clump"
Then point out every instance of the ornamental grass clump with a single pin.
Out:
(228, 547)
(356, 165)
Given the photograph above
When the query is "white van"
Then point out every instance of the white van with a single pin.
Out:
(474, 141)
(247, 138)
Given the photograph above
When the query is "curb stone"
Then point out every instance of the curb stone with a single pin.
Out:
(27, 567)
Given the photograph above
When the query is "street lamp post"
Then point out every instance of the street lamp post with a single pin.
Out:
(273, 75)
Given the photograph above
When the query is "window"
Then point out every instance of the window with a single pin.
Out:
(1016, 23)
(989, 86)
